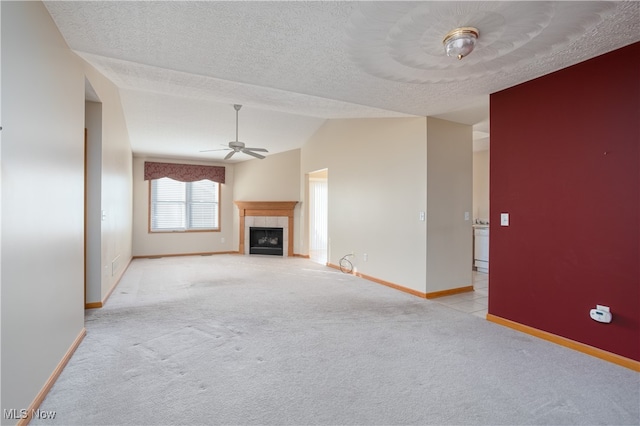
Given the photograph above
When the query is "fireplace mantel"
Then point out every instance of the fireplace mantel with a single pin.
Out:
(265, 208)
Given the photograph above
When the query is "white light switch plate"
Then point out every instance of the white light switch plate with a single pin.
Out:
(504, 219)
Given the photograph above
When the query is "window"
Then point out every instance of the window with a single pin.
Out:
(184, 206)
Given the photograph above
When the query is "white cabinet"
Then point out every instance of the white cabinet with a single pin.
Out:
(481, 248)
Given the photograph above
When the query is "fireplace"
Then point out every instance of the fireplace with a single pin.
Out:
(266, 241)
(266, 214)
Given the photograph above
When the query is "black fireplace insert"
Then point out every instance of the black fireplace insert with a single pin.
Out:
(266, 241)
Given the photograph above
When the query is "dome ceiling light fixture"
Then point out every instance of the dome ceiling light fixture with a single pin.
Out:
(404, 42)
(460, 42)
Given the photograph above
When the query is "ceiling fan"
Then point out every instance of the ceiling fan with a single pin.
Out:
(237, 146)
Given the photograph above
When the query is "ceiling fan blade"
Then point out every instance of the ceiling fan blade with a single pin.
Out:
(246, 151)
(237, 146)
(220, 149)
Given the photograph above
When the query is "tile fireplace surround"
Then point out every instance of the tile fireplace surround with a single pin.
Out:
(273, 214)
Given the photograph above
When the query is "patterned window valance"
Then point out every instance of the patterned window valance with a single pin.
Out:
(183, 172)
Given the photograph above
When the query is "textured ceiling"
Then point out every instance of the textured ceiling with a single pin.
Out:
(182, 65)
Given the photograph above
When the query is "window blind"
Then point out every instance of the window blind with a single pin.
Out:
(184, 206)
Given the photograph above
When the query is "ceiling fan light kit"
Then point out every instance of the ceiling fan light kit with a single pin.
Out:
(237, 146)
(460, 42)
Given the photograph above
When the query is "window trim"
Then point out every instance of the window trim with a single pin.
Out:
(172, 231)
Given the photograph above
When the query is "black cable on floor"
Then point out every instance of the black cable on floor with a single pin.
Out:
(345, 264)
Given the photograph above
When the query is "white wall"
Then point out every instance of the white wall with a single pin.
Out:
(449, 197)
(115, 175)
(481, 185)
(42, 200)
(377, 188)
(158, 243)
(276, 178)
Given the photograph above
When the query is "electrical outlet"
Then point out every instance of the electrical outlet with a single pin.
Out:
(222, 240)
(365, 257)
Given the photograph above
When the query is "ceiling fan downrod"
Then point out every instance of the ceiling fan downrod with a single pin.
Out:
(237, 108)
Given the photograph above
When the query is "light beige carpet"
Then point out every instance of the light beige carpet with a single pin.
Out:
(232, 339)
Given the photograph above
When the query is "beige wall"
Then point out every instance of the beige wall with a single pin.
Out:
(150, 244)
(276, 178)
(377, 187)
(382, 174)
(449, 198)
(43, 96)
(42, 201)
(481, 185)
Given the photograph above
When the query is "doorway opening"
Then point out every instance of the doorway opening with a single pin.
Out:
(318, 216)
(92, 198)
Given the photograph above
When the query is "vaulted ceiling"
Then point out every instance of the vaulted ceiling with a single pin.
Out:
(180, 66)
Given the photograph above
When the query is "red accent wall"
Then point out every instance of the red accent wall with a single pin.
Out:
(564, 163)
